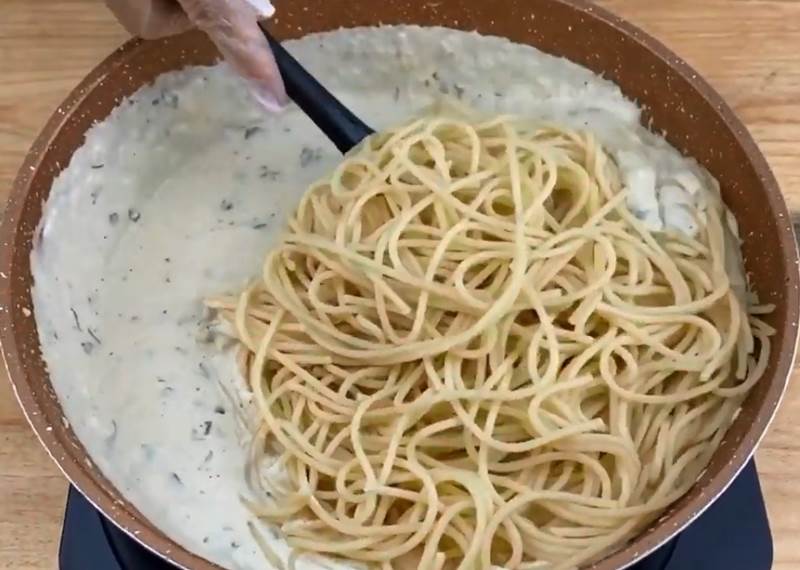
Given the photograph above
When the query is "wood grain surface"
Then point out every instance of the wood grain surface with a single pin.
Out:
(748, 49)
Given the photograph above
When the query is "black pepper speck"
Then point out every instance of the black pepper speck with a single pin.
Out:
(250, 131)
(309, 155)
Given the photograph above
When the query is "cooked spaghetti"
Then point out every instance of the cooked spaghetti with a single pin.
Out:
(467, 352)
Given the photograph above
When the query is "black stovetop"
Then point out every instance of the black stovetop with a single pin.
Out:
(733, 534)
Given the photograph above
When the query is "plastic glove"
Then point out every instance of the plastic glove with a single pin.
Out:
(231, 24)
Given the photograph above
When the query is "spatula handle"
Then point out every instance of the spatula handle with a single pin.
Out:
(338, 123)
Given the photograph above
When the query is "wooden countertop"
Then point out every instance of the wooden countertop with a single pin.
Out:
(748, 49)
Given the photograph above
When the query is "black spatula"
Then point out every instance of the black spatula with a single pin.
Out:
(338, 123)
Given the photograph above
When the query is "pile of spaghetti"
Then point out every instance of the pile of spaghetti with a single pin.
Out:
(468, 353)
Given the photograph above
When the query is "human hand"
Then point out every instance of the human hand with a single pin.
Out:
(231, 24)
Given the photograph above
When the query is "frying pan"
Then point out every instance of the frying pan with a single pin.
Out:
(676, 100)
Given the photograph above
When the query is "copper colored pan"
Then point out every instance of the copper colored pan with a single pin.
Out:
(695, 119)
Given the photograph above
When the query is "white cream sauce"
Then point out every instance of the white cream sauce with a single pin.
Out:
(179, 193)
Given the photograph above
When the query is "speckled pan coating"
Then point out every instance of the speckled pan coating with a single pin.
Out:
(676, 100)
